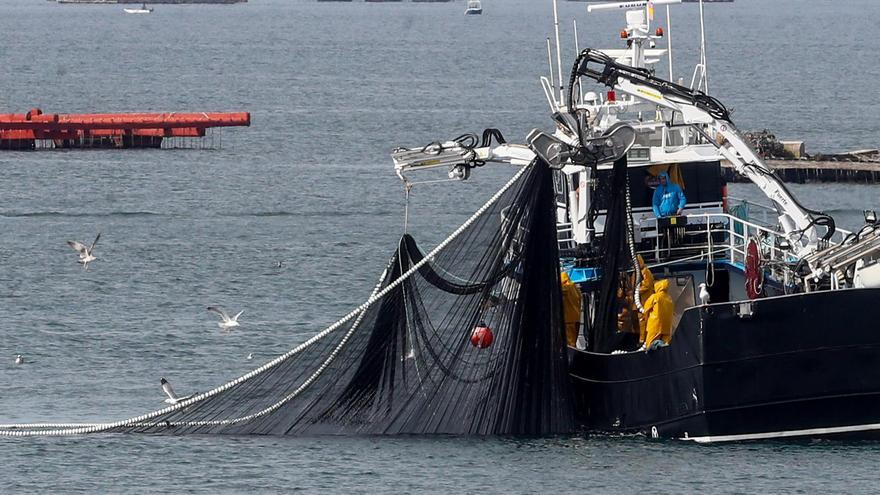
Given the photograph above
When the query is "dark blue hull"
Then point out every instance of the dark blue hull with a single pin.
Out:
(796, 365)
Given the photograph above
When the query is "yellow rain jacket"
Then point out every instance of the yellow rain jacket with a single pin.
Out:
(646, 289)
(659, 309)
(571, 308)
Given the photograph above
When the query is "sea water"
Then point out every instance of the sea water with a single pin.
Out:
(332, 88)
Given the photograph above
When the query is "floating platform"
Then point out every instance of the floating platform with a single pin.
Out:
(35, 129)
(801, 171)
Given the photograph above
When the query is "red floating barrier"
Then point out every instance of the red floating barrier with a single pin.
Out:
(19, 131)
(122, 120)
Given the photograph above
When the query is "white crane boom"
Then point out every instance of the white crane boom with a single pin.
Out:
(710, 118)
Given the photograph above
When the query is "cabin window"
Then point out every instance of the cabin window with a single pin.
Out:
(703, 183)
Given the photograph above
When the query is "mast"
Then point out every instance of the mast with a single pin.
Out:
(703, 49)
(669, 42)
(550, 63)
(558, 55)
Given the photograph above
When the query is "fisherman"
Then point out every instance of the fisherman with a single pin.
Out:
(646, 290)
(571, 306)
(659, 310)
(669, 199)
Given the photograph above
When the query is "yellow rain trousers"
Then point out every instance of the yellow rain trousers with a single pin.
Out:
(659, 309)
(646, 289)
(571, 308)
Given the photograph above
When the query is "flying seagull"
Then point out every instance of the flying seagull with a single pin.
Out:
(704, 294)
(172, 397)
(226, 322)
(85, 253)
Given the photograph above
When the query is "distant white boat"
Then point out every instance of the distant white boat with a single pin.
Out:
(143, 10)
(474, 7)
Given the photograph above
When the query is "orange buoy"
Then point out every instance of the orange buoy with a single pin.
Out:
(482, 336)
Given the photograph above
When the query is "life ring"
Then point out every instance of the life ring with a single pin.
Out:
(754, 273)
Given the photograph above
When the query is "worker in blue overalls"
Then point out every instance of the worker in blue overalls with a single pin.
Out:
(669, 199)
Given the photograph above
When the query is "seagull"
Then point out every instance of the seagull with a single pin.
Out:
(226, 322)
(250, 356)
(172, 397)
(279, 264)
(19, 359)
(704, 294)
(85, 253)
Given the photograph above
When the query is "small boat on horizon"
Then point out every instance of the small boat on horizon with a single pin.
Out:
(143, 10)
(474, 7)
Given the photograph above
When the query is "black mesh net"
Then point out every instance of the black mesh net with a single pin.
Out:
(615, 259)
(408, 361)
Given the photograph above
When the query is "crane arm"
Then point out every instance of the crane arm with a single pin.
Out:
(704, 113)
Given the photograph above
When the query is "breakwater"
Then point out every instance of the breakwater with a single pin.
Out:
(802, 171)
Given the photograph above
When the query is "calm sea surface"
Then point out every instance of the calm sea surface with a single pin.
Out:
(332, 88)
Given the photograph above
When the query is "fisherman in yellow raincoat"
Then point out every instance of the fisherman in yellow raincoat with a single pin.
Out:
(646, 289)
(659, 310)
(571, 308)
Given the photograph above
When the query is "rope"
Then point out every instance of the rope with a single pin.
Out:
(64, 429)
(710, 261)
(299, 389)
(630, 239)
(406, 189)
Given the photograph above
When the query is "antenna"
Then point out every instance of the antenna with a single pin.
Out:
(669, 42)
(550, 60)
(558, 55)
(703, 49)
(577, 50)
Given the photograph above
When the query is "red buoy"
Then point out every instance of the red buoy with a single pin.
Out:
(481, 336)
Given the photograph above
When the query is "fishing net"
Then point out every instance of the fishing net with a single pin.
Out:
(408, 361)
(616, 258)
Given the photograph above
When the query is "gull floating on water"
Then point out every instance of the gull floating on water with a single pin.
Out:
(226, 322)
(172, 397)
(85, 252)
(250, 356)
(19, 359)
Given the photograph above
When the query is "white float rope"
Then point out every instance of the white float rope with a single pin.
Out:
(299, 389)
(631, 241)
(62, 429)
(269, 409)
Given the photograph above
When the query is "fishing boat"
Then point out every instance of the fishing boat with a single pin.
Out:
(538, 314)
(142, 10)
(474, 7)
(770, 324)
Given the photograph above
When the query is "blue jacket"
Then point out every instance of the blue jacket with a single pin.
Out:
(668, 199)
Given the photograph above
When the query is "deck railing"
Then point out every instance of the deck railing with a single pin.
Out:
(709, 237)
(716, 236)
(725, 234)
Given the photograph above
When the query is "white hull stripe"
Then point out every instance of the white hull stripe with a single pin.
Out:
(784, 434)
